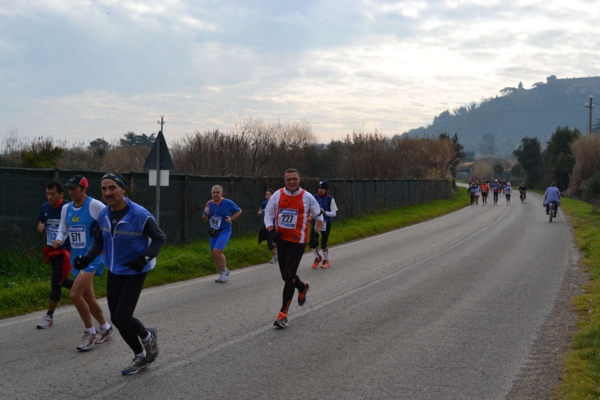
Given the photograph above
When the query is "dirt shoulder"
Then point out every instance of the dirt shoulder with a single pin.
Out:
(541, 374)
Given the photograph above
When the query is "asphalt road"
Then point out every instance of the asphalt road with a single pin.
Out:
(447, 309)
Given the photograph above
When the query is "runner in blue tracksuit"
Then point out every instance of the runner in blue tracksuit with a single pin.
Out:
(261, 212)
(49, 220)
(329, 210)
(507, 192)
(78, 222)
(130, 239)
(496, 190)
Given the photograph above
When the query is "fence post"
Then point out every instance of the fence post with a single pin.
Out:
(184, 209)
(130, 176)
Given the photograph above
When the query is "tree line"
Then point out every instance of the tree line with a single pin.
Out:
(252, 148)
(569, 159)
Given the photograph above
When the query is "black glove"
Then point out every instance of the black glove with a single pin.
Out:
(314, 240)
(274, 236)
(137, 264)
(81, 262)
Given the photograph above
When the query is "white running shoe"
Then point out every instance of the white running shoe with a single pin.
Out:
(46, 322)
(274, 259)
(223, 276)
(103, 334)
(87, 341)
(151, 346)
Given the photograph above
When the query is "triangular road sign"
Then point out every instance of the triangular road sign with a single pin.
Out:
(166, 162)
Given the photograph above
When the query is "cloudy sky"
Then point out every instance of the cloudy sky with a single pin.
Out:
(77, 70)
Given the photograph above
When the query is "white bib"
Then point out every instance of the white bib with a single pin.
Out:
(77, 236)
(215, 221)
(51, 233)
(287, 218)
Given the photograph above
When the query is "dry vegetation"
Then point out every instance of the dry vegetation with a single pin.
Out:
(254, 148)
(258, 149)
(586, 172)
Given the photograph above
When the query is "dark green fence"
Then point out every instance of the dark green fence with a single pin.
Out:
(23, 192)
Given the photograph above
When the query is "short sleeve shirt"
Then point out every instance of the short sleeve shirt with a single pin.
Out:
(218, 213)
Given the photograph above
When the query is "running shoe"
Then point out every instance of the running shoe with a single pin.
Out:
(103, 334)
(137, 364)
(151, 346)
(281, 321)
(302, 296)
(274, 259)
(88, 341)
(46, 322)
(325, 264)
(223, 276)
(315, 264)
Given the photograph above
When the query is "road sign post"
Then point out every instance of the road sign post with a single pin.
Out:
(158, 164)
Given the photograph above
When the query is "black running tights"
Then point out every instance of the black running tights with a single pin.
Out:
(57, 264)
(122, 294)
(290, 254)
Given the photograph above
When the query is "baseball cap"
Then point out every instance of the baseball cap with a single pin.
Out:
(77, 180)
(323, 185)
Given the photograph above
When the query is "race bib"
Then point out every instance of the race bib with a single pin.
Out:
(215, 221)
(77, 236)
(51, 234)
(287, 218)
(324, 228)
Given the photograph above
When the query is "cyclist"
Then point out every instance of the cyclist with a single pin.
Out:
(552, 195)
(523, 191)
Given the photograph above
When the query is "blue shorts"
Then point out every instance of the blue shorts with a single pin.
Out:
(220, 241)
(95, 266)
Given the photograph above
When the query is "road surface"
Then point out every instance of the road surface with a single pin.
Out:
(446, 309)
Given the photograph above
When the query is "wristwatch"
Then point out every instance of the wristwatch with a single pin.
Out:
(147, 259)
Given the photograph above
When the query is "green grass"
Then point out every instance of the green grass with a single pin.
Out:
(25, 279)
(581, 379)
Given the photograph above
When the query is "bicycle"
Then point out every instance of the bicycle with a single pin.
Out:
(522, 196)
(551, 207)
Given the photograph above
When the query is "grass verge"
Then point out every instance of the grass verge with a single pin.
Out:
(581, 379)
(25, 279)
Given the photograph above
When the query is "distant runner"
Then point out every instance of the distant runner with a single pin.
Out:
(329, 211)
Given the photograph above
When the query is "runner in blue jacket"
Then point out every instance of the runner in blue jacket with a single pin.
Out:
(130, 239)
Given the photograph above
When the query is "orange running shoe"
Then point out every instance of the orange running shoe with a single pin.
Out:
(317, 261)
(281, 321)
(325, 264)
(302, 296)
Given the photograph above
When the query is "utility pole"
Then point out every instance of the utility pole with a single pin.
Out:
(161, 122)
(492, 162)
(590, 106)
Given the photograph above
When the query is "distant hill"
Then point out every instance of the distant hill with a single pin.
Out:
(500, 122)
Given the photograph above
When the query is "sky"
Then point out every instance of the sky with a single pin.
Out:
(78, 70)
